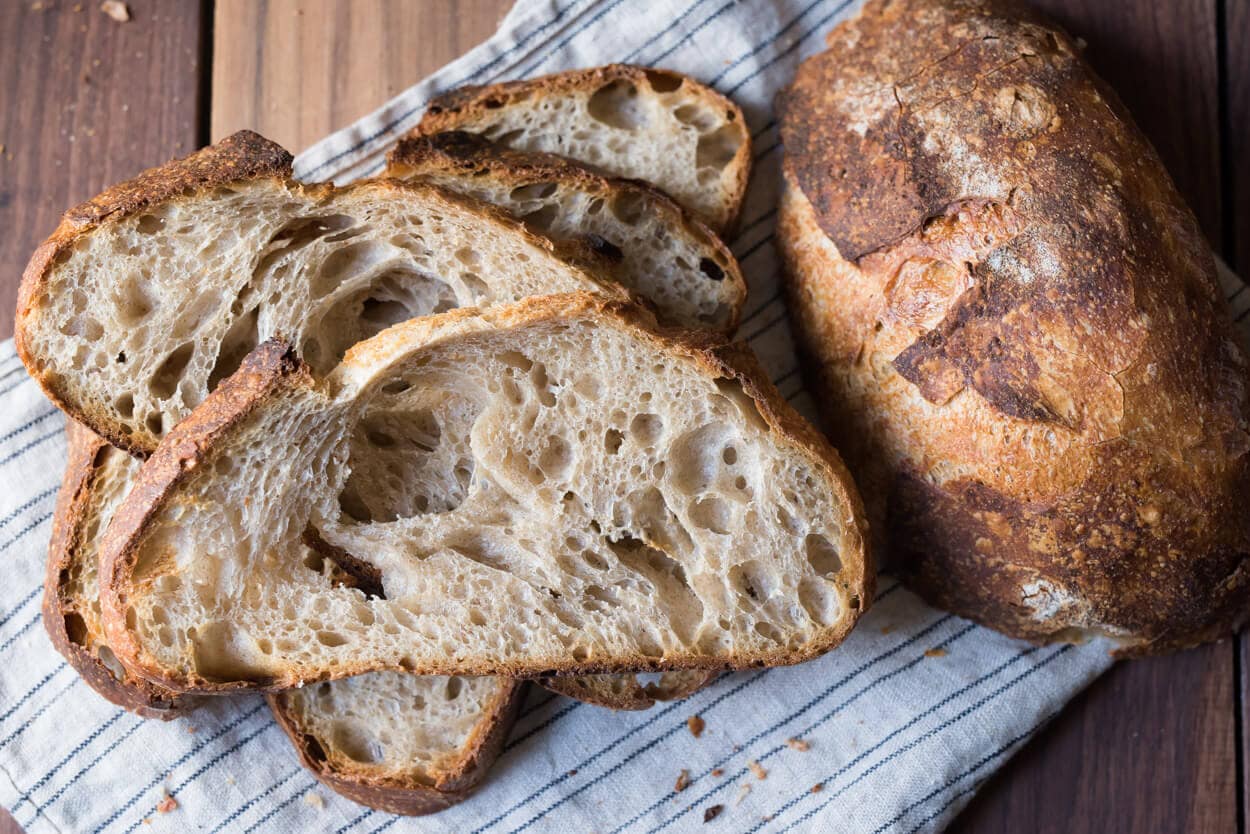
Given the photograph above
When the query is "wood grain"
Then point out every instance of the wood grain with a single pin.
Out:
(86, 101)
(296, 70)
(1147, 747)
(1237, 133)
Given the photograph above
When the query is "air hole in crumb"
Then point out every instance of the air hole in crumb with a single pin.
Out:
(711, 269)
(616, 105)
(125, 405)
(541, 219)
(628, 206)
(149, 224)
(165, 381)
(612, 440)
(76, 629)
(454, 687)
(663, 82)
(646, 429)
(533, 191)
(717, 149)
(712, 513)
(822, 555)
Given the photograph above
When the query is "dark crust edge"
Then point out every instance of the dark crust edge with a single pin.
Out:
(408, 796)
(466, 154)
(240, 157)
(273, 368)
(134, 693)
(586, 689)
(447, 110)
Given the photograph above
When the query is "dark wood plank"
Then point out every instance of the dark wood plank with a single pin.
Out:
(1148, 747)
(1237, 132)
(86, 101)
(1151, 746)
(296, 70)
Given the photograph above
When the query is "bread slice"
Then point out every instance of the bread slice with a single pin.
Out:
(548, 487)
(697, 146)
(665, 254)
(407, 744)
(629, 691)
(97, 478)
(403, 743)
(149, 294)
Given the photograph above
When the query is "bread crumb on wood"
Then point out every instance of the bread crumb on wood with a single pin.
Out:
(818, 787)
(717, 772)
(313, 800)
(757, 769)
(743, 790)
(116, 9)
(798, 744)
(37, 6)
(166, 805)
(712, 812)
(695, 724)
(935, 653)
(683, 781)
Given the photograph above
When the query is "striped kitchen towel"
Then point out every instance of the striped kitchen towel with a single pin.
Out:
(901, 724)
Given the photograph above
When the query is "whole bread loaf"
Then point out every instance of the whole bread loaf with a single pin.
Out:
(1015, 329)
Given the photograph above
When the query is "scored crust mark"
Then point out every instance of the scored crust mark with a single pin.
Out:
(96, 476)
(495, 374)
(698, 148)
(629, 692)
(421, 759)
(658, 249)
(1015, 329)
(109, 328)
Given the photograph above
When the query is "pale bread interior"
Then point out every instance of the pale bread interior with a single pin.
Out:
(80, 589)
(538, 492)
(393, 725)
(666, 129)
(693, 279)
(144, 315)
(385, 724)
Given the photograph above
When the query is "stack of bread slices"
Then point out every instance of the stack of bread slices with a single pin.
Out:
(386, 450)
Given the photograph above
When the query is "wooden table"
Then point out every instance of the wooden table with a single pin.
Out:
(1154, 746)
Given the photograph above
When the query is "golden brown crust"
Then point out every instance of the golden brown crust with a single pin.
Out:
(240, 157)
(272, 369)
(468, 155)
(626, 692)
(451, 110)
(1015, 329)
(59, 605)
(409, 795)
